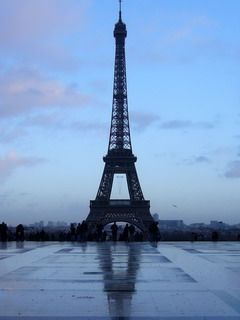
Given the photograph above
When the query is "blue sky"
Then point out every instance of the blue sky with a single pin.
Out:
(56, 74)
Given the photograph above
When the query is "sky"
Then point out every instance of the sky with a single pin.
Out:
(56, 79)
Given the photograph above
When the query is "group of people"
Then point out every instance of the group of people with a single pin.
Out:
(80, 232)
(4, 232)
(128, 233)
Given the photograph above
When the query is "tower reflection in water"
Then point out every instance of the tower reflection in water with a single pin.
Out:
(119, 264)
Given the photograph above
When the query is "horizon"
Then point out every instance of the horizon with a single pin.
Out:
(120, 223)
(56, 83)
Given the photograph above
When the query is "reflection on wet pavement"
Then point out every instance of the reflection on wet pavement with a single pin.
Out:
(119, 276)
(119, 280)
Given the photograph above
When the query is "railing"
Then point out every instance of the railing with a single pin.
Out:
(119, 202)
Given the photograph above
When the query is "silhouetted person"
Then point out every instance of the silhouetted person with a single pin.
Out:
(3, 232)
(114, 229)
(104, 236)
(126, 233)
(78, 232)
(84, 230)
(72, 232)
(42, 235)
(154, 231)
(62, 236)
(140, 236)
(201, 237)
(131, 232)
(99, 231)
(20, 232)
(194, 236)
(215, 236)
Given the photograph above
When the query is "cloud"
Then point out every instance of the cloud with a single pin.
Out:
(189, 38)
(4, 196)
(233, 170)
(190, 30)
(142, 121)
(222, 151)
(197, 160)
(202, 159)
(10, 135)
(176, 124)
(52, 120)
(57, 121)
(88, 127)
(187, 124)
(99, 85)
(22, 91)
(36, 31)
(12, 161)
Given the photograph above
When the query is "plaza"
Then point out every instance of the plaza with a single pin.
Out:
(168, 280)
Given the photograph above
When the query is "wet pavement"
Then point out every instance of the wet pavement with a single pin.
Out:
(175, 280)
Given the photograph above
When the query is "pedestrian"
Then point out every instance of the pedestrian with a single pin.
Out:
(114, 229)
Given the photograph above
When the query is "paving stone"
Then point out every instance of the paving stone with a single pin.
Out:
(70, 281)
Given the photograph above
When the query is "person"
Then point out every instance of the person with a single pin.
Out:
(3, 232)
(104, 236)
(72, 232)
(78, 231)
(20, 232)
(194, 236)
(215, 236)
(126, 233)
(84, 230)
(154, 231)
(42, 235)
(99, 232)
(131, 232)
(114, 229)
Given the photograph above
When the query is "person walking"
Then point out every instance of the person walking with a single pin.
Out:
(114, 229)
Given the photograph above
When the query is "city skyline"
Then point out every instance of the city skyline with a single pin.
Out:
(56, 95)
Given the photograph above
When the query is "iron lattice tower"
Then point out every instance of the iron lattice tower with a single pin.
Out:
(120, 158)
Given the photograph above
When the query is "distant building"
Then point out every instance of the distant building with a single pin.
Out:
(41, 224)
(218, 225)
(37, 225)
(198, 225)
(50, 224)
(61, 224)
(171, 224)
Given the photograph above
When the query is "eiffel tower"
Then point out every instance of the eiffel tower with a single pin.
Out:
(120, 158)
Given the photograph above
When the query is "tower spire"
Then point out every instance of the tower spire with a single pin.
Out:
(120, 132)
(120, 10)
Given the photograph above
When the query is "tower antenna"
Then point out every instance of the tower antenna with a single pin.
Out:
(120, 9)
